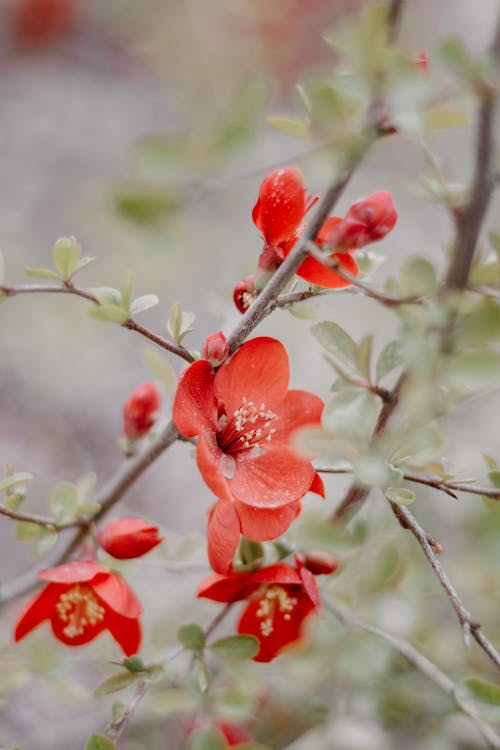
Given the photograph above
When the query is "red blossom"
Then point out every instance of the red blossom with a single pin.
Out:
(37, 24)
(281, 205)
(215, 349)
(140, 411)
(280, 597)
(82, 599)
(367, 220)
(245, 293)
(244, 416)
(128, 537)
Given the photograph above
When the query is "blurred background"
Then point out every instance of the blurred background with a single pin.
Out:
(140, 129)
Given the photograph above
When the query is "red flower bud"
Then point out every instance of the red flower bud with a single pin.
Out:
(320, 563)
(367, 220)
(421, 61)
(244, 293)
(129, 537)
(281, 205)
(215, 348)
(37, 24)
(140, 411)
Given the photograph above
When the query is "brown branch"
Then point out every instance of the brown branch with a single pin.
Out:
(470, 626)
(469, 219)
(180, 351)
(44, 521)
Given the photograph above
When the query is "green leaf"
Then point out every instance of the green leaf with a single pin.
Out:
(364, 357)
(290, 126)
(305, 310)
(161, 368)
(418, 447)
(390, 357)
(42, 273)
(126, 291)
(488, 273)
(352, 412)
(479, 327)
(63, 502)
(206, 739)
(82, 263)
(399, 495)
(485, 696)
(179, 323)
(418, 276)
(44, 544)
(490, 462)
(191, 636)
(494, 477)
(154, 673)
(116, 682)
(67, 253)
(134, 664)
(236, 647)
(474, 370)
(28, 532)
(140, 304)
(337, 342)
(110, 313)
(99, 742)
(107, 295)
(250, 551)
(20, 477)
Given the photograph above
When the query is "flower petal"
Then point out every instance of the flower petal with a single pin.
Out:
(281, 205)
(223, 536)
(258, 371)
(73, 572)
(317, 485)
(126, 631)
(210, 460)
(264, 524)
(195, 407)
(38, 610)
(278, 573)
(227, 588)
(299, 408)
(310, 585)
(118, 596)
(316, 273)
(271, 479)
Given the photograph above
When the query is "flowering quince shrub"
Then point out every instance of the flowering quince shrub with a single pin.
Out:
(327, 625)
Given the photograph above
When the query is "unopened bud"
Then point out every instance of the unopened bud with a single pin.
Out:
(128, 537)
(245, 293)
(367, 220)
(421, 62)
(320, 563)
(215, 349)
(140, 411)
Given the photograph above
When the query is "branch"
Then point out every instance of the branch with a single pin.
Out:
(470, 218)
(470, 626)
(426, 667)
(44, 521)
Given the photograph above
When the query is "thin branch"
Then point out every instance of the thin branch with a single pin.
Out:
(426, 667)
(470, 626)
(44, 521)
(180, 351)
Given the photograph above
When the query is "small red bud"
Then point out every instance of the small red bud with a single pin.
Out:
(320, 563)
(128, 537)
(215, 348)
(421, 62)
(367, 220)
(244, 293)
(140, 411)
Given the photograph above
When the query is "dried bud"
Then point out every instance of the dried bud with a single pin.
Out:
(320, 563)
(129, 537)
(215, 348)
(244, 293)
(140, 411)
(367, 220)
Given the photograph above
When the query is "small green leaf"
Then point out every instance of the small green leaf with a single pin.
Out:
(42, 273)
(352, 411)
(126, 291)
(44, 544)
(305, 310)
(20, 477)
(99, 742)
(191, 636)
(236, 647)
(82, 263)
(390, 357)
(399, 495)
(67, 253)
(484, 695)
(290, 126)
(250, 551)
(490, 462)
(28, 532)
(140, 304)
(488, 273)
(474, 370)
(336, 341)
(419, 446)
(161, 368)
(63, 502)
(133, 664)
(154, 673)
(107, 295)
(179, 323)
(364, 357)
(494, 477)
(116, 682)
(205, 739)
(110, 313)
(117, 710)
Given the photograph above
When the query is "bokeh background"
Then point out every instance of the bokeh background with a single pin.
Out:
(140, 129)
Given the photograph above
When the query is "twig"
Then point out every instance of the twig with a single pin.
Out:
(180, 351)
(426, 667)
(470, 626)
(44, 521)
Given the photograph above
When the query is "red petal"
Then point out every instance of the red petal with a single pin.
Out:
(317, 485)
(264, 524)
(284, 632)
(74, 572)
(38, 610)
(227, 588)
(298, 409)
(126, 631)
(281, 204)
(316, 273)
(118, 596)
(281, 573)
(194, 405)
(310, 586)
(223, 536)
(88, 633)
(272, 479)
(258, 371)
(210, 460)
(329, 225)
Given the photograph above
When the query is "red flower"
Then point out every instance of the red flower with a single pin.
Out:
(244, 415)
(140, 411)
(367, 220)
(280, 597)
(215, 348)
(281, 205)
(128, 537)
(39, 23)
(82, 599)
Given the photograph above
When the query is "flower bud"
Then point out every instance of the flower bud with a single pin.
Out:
(215, 348)
(421, 62)
(140, 411)
(244, 293)
(320, 563)
(128, 537)
(281, 205)
(367, 220)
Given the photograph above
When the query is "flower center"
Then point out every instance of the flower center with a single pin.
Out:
(276, 599)
(79, 607)
(248, 427)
